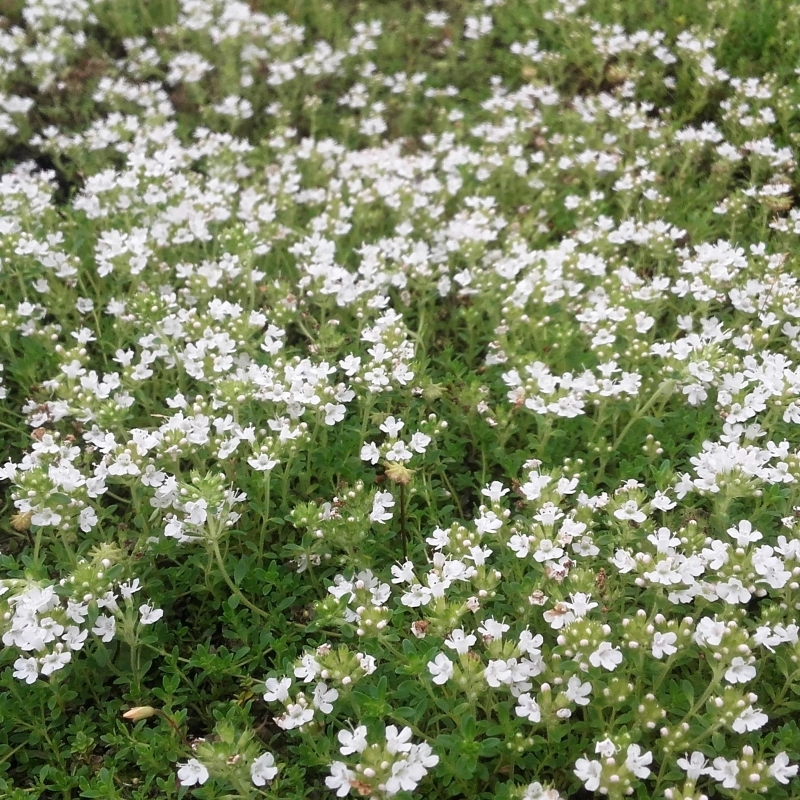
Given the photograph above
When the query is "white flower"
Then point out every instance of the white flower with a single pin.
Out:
(367, 663)
(740, 671)
(192, 772)
(606, 656)
(528, 708)
(559, 616)
(370, 452)
(460, 642)
(709, 632)
(339, 779)
(578, 692)
(397, 741)
(277, 689)
(494, 491)
(744, 533)
(751, 719)
(263, 769)
(588, 772)
(308, 669)
(391, 426)
(74, 637)
(637, 762)
(581, 604)
(297, 715)
(441, 668)
(623, 561)
(419, 442)
(380, 503)
(733, 592)
(630, 511)
(780, 769)
(664, 644)
(129, 588)
(493, 629)
(725, 772)
(324, 698)
(105, 627)
(26, 669)
(334, 413)
(695, 766)
(497, 672)
(150, 614)
(547, 551)
(53, 662)
(606, 748)
(417, 595)
(355, 742)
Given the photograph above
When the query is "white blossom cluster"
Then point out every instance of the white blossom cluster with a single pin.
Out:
(240, 265)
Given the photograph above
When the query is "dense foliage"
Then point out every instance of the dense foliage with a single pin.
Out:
(399, 399)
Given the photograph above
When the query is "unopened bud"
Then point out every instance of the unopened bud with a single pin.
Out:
(397, 473)
(139, 712)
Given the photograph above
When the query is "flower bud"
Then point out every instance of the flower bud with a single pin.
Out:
(397, 473)
(139, 712)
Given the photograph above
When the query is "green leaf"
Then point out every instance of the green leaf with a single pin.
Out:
(240, 571)
(468, 727)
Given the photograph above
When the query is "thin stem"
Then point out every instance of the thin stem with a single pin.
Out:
(453, 494)
(710, 689)
(174, 726)
(231, 585)
(265, 519)
(665, 388)
(403, 535)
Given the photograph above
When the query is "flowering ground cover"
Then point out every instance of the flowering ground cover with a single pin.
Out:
(399, 399)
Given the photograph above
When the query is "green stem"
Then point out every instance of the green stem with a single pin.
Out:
(665, 388)
(453, 494)
(231, 585)
(174, 726)
(368, 406)
(403, 534)
(265, 518)
(710, 689)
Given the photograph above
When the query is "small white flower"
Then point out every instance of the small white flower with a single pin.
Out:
(192, 772)
(460, 642)
(664, 644)
(324, 698)
(751, 719)
(606, 748)
(493, 629)
(744, 533)
(263, 769)
(740, 671)
(26, 669)
(588, 772)
(105, 627)
(630, 511)
(494, 491)
(150, 614)
(578, 692)
(695, 766)
(53, 662)
(355, 742)
(441, 668)
(277, 689)
(606, 656)
(780, 769)
(528, 708)
(340, 778)
(637, 762)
